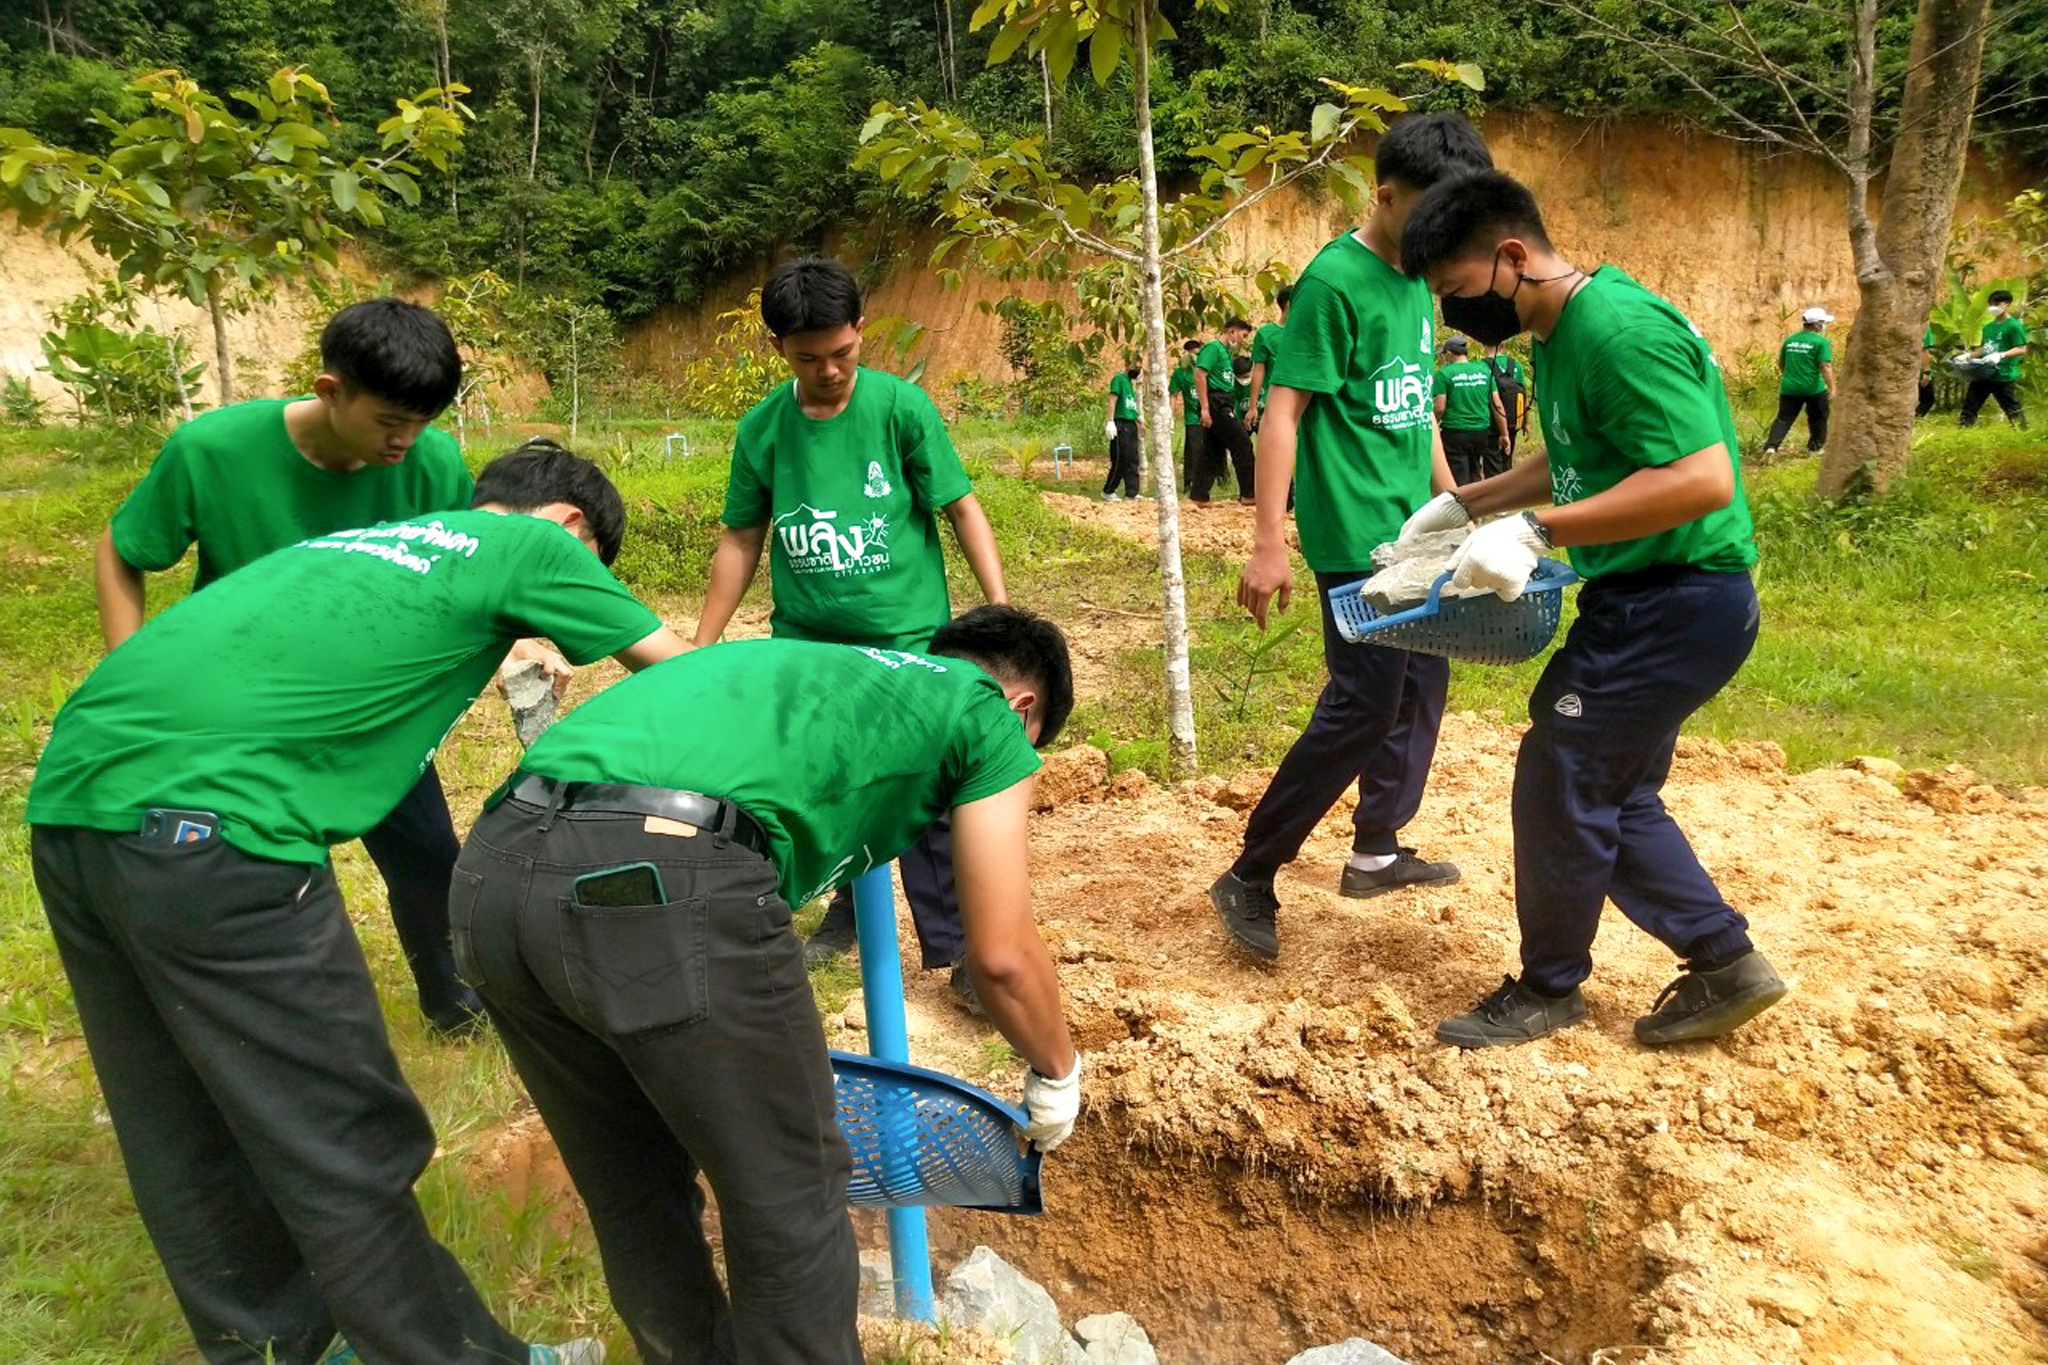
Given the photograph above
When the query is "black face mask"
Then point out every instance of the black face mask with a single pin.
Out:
(1490, 317)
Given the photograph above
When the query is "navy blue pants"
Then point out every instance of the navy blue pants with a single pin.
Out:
(928, 886)
(1647, 650)
(1375, 724)
(415, 849)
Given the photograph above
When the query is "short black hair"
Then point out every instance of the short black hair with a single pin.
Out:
(1191, 345)
(1422, 149)
(1449, 218)
(396, 351)
(1132, 371)
(1242, 364)
(1015, 645)
(1284, 297)
(810, 294)
(539, 472)
(1237, 324)
(2000, 296)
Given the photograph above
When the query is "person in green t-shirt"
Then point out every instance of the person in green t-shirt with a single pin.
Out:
(671, 1030)
(244, 481)
(1349, 409)
(1241, 397)
(848, 468)
(2005, 341)
(1265, 348)
(1927, 357)
(181, 816)
(1122, 430)
(1223, 435)
(1183, 383)
(1469, 415)
(1806, 368)
(1642, 479)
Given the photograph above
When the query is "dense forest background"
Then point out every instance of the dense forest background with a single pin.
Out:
(628, 152)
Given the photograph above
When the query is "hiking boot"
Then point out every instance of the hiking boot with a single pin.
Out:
(460, 1020)
(1707, 1004)
(1248, 911)
(1406, 870)
(964, 994)
(834, 936)
(1513, 1014)
(580, 1351)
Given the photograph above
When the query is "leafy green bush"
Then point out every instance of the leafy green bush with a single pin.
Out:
(116, 368)
(19, 403)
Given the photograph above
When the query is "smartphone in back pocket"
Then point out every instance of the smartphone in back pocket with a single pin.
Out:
(633, 884)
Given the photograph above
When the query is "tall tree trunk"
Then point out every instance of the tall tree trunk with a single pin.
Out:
(1899, 259)
(1180, 697)
(952, 55)
(224, 379)
(177, 368)
(1045, 83)
(533, 76)
(445, 65)
(575, 381)
(49, 28)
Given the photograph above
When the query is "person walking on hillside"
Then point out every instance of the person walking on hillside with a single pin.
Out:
(841, 476)
(1511, 382)
(1265, 346)
(1469, 414)
(1183, 383)
(1642, 479)
(1350, 410)
(1927, 358)
(2005, 341)
(1122, 431)
(1223, 435)
(1806, 368)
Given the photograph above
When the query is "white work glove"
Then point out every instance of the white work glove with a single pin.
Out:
(1993, 357)
(1052, 1107)
(1109, 428)
(1499, 557)
(1444, 512)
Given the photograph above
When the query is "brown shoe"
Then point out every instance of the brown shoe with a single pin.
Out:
(1247, 502)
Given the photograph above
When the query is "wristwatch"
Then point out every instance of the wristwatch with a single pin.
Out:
(1542, 531)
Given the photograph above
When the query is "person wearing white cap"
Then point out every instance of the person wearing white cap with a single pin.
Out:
(1806, 364)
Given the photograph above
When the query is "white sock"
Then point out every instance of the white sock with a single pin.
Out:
(1372, 862)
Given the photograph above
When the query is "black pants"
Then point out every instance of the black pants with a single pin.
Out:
(1926, 403)
(1790, 405)
(1646, 652)
(1468, 454)
(661, 1042)
(1123, 460)
(414, 849)
(1376, 724)
(928, 886)
(269, 1139)
(1225, 436)
(1191, 458)
(2006, 391)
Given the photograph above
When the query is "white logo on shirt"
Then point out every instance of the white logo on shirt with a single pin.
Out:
(878, 483)
(1401, 396)
(1565, 484)
(812, 542)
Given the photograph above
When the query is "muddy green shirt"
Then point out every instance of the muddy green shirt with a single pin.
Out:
(232, 481)
(1359, 338)
(1466, 387)
(1800, 358)
(1627, 383)
(850, 504)
(1126, 395)
(2002, 334)
(300, 700)
(844, 754)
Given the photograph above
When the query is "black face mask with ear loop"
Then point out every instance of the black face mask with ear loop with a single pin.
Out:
(1490, 317)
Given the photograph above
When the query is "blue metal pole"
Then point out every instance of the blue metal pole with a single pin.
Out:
(881, 984)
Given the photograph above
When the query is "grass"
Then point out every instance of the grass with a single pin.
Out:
(1912, 628)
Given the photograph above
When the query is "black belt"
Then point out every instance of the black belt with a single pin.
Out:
(707, 813)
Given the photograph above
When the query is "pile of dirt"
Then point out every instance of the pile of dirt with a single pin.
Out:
(1222, 529)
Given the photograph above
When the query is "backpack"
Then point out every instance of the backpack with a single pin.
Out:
(1509, 382)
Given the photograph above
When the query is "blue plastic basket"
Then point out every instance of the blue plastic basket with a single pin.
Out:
(1481, 630)
(925, 1138)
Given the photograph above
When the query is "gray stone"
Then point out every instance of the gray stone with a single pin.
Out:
(877, 1285)
(988, 1293)
(1115, 1339)
(532, 698)
(1356, 1351)
(1406, 569)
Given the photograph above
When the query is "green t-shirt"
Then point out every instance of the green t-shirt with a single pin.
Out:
(850, 502)
(1126, 395)
(2002, 334)
(232, 480)
(1359, 337)
(1466, 386)
(1265, 346)
(1629, 383)
(843, 754)
(1801, 357)
(302, 699)
(1183, 383)
(1215, 357)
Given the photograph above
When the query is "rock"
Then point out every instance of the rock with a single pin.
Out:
(1356, 1351)
(532, 698)
(1128, 783)
(1070, 776)
(877, 1285)
(1881, 768)
(1758, 755)
(1115, 1339)
(1943, 791)
(987, 1293)
(1243, 790)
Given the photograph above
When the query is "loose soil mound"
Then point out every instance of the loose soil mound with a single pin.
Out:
(1223, 528)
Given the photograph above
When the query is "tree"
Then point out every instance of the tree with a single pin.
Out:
(195, 198)
(1135, 264)
(1909, 128)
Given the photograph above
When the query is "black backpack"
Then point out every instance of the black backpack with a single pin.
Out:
(1509, 382)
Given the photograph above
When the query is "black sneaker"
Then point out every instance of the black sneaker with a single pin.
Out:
(1512, 1014)
(964, 994)
(834, 936)
(1708, 1004)
(1406, 870)
(1248, 911)
(460, 1020)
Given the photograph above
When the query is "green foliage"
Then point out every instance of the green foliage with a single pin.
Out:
(1052, 368)
(116, 368)
(19, 403)
(737, 370)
